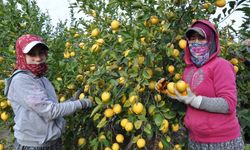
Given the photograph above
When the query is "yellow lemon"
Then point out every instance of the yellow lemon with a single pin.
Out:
(107, 148)
(181, 86)
(81, 141)
(81, 96)
(206, 5)
(154, 20)
(151, 85)
(133, 99)
(121, 80)
(141, 59)
(62, 99)
(138, 108)
(175, 127)
(4, 116)
(236, 69)
(115, 25)
(100, 41)
(220, 3)
(140, 143)
(67, 45)
(182, 44)
(117, 108)
(115, 146)
(171, 69)
(175, 53)
(105, 97)
(157, 97)
(177, 76)
(129, 126)
(160, 145)
(124, 122)
(76, 35)
(234, 61)
(1, 147)
(81, 45)
(119, 138)
(171, 87)
(109, 113)
(95, 32)
(95, 48)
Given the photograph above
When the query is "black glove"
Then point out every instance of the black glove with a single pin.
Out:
(77, 94)
(86, 103)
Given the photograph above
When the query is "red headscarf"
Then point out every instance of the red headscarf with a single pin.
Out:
(23, 45)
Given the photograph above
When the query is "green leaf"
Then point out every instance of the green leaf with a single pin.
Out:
(138, 124)
(158, 119)
(97, 116)
(102, 122)
(96, 109)
(148, 129)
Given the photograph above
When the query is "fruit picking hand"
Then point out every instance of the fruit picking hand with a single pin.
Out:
(86, 103)
(189, 99)
(77, 94)
(159, 85)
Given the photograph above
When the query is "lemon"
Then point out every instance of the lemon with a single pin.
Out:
(129, 126)
(177, 76)
(234, 61)
(117, 108)
(95, 32)
(220, 3)
(81, 96)
(109, 113)
(182, 44)
(171, 87)
(1, 147)
(138, 108)
(115, 146)
(236, 69)
(140, 143)
(124, 122)
(181, 86)
(115, 25)
(81, 141)
(154, 20)
(160, 145)
(105, 97)
(171, 69)
(151, 85)
(95, 48)
(81, 45)
(121, 80)
(133, 99)
(175, 127)
(119, 138)
(68, 45)
(157, 97)
(62, 99)
(100, 41)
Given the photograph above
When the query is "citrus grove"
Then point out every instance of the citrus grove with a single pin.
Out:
(116, 52)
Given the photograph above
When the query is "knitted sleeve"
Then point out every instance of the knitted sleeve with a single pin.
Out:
(216, 105)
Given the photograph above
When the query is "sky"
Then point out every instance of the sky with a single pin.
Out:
(62, 12)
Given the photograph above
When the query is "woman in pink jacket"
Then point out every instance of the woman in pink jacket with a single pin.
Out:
(212, 97)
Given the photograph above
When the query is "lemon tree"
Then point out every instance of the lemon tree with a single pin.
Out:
(117, 52)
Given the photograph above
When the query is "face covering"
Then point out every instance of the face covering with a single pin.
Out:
(199, 53)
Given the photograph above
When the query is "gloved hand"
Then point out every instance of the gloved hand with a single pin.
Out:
(86, 103)
(160, 85)
(77, 94)
(189, 99)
